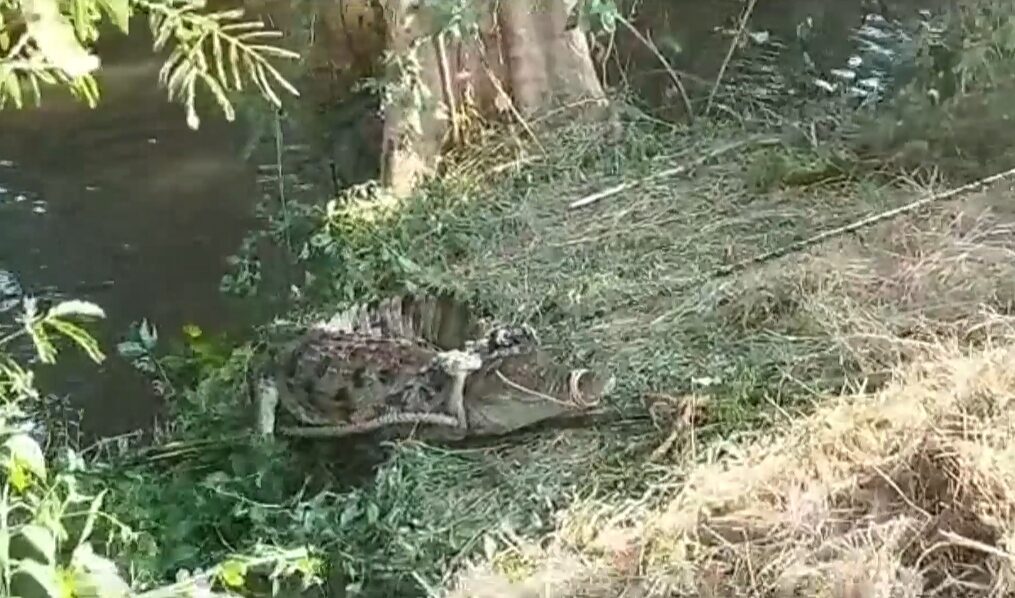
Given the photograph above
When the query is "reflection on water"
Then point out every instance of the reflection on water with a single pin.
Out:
(124, 193)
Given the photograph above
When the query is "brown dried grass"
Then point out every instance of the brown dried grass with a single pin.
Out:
(908, 490)
(892, 295)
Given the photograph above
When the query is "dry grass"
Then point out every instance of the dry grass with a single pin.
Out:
(906, 488)
(626, 283)
(906, 492)
(628, 280)
(891, 294)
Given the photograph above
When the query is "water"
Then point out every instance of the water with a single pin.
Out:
(125, 196)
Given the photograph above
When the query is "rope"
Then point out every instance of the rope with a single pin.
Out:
(435, 419)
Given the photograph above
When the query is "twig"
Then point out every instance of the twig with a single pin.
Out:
(854, 226)
(515, 163)
(495, 81)
(729, 54)
(865, 222)
(670, 172)
(606, 55)
(528, 391)
(664, 448)
(279, 153)
(444, 70)
(666, 65)
(954, 539)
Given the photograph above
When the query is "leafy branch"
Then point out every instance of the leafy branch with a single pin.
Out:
(217, 49)
(39, 44)
(50, 529)
(48, 42)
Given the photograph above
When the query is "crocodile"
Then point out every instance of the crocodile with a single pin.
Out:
(335, 376)
(379, 366)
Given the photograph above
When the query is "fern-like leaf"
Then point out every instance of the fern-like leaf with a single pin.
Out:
(47, 42)
(218, 51)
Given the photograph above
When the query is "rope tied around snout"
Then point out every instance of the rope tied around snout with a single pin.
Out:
(575, 396)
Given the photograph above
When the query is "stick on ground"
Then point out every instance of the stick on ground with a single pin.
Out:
(670, 172)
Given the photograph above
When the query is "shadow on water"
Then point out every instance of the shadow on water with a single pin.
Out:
(124, 193)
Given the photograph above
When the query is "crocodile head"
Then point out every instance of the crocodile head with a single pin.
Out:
(520, 390)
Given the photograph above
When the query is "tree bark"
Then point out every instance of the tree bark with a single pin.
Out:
(523, 63)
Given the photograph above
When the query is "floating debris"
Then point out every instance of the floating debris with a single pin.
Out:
(846, 74)
(882, 59)
(11, 291)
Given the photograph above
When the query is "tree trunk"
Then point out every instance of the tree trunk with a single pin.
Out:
(524, 63)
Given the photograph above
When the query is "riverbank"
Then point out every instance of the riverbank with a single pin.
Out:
(707, 359)
(765, 382)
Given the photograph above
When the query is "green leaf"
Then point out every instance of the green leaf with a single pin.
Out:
(93, 513)
(118, 12)
(349, 514)
(86, 88)
(80, 20)
(96, 576)
(26, 452)
(406, 264)
(19, 476)
(145, 364)
(233, 573)
(130, 349)
(5, 547)
(56, 39)
(80, 337)
(76, 308)
(35, 542)
(35, 580)
(44, 347)
(148, 334)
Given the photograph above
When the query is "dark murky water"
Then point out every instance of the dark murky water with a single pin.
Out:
(124, 193)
